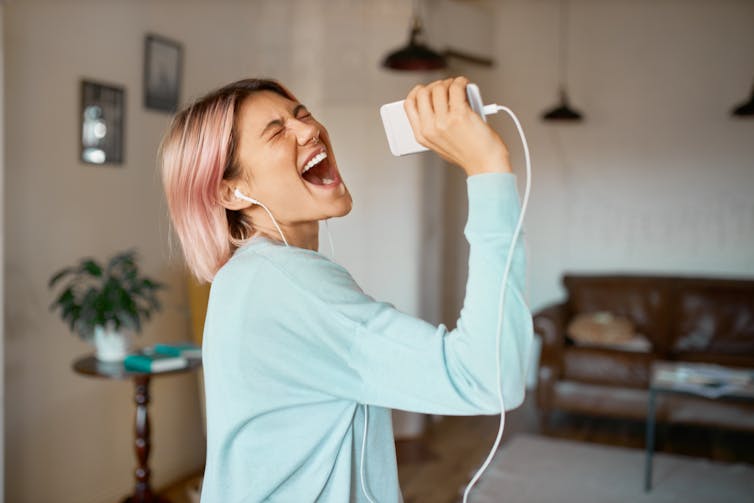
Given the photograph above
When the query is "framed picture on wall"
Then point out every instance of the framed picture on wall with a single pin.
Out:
(163, 60)
(102, 122)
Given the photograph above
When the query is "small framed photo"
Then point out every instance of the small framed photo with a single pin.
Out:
(163, 61)
(102, 122)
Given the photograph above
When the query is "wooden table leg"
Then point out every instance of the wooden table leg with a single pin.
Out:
(142, 490)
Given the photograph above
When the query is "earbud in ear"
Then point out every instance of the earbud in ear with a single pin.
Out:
(240, 195)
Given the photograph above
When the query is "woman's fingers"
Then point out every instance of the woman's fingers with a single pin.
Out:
(440, 97)
(424, 107)
(425, 115)
(457, 92)
(443, 121)
(412, 111)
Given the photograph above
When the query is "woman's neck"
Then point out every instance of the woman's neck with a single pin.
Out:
(300, 235)
(303, 235)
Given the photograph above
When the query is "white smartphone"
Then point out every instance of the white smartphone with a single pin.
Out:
(401, 137)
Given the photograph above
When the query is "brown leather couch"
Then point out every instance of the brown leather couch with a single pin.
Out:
(684, 319)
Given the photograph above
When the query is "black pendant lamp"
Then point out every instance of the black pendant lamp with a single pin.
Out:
(745, 109)
(563, 111)
(415, 56)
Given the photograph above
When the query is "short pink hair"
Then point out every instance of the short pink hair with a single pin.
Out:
(198, 152)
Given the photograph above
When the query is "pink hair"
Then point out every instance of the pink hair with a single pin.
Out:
(197, 153)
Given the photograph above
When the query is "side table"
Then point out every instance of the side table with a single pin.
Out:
(699, 379)
(90, 366)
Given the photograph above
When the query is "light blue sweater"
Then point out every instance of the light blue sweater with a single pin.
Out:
(292, 347)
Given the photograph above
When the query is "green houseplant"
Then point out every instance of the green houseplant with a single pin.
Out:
(105, 303)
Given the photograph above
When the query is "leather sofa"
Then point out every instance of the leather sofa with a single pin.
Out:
(683, 318)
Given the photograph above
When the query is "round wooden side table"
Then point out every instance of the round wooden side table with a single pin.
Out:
(90, 366)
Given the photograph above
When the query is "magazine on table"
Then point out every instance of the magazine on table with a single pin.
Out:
(711, 381)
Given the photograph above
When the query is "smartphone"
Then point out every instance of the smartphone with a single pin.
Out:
(400, 136)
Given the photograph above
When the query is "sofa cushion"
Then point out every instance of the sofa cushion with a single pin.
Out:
(641, 299)
(632, 403)
(715, 318)
(604, 329)
(584, 398)
(605, 366)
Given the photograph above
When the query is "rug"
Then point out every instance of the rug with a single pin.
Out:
(535, 469)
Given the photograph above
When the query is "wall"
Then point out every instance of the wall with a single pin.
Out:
(2, 253)
(75, 433)
(659, 176)
(70, 437)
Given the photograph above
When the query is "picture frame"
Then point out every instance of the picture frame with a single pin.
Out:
(163, 66)
(102, 116)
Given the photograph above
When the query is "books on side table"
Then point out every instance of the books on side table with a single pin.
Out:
(186, 350)
(162, 357)
(708, 380)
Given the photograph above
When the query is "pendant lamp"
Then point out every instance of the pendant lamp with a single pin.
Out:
(416, 56)
(745, 109)
(562, 111)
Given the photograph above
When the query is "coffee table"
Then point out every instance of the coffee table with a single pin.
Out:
(700, 379)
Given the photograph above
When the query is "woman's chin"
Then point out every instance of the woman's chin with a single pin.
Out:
(343, 205)
(337, 202)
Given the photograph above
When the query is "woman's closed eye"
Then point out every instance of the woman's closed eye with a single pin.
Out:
(301, 114)
(276, 134)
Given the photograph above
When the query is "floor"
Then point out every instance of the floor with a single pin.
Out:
(436, 467)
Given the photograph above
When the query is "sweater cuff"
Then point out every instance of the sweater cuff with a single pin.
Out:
(494, 204)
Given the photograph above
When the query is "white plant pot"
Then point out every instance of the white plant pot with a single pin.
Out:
(111, 345)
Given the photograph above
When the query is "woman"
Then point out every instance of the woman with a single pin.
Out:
(301, 367)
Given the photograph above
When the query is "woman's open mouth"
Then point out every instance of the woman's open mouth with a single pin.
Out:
(320, 171)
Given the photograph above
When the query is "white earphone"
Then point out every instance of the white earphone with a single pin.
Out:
(241, 195)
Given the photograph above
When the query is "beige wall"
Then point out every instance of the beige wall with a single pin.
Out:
(71, 437)
(2, 253)
(659, 177)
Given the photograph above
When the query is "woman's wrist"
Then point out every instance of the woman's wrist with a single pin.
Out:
(495, 164)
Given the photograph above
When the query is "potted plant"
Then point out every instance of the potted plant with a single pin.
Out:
(105, 304)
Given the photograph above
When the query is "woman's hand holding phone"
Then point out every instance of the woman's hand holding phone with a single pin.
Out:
(443, 121)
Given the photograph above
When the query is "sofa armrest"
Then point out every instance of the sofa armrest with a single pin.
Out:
(549, 324)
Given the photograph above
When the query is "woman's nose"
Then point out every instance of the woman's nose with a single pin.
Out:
(306, 132)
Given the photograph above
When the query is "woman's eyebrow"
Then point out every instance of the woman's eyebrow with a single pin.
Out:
(279, 122)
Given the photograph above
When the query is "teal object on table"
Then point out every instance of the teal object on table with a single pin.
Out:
(153, 362)
(186, 350)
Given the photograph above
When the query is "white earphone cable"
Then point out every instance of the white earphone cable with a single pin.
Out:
(274, 222)
(363, 450)
(329, 238)
(241, 195)
(490, 109)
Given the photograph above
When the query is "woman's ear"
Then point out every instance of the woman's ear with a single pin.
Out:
(228, 198)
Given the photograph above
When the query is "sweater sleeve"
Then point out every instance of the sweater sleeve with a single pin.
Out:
(357, 348)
